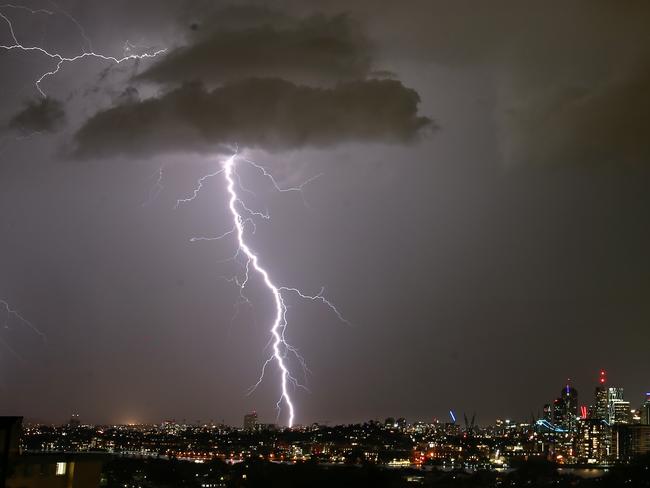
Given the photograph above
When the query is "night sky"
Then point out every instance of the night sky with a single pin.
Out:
(481, 219)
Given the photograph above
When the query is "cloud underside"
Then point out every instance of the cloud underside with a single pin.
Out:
(270, 114)
(318, 48)
(43, 115)
(603, 124)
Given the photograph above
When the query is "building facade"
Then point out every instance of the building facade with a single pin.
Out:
(592, 441)
(630, 441)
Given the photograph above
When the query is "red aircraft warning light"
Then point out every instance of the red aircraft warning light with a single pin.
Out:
(603, 376)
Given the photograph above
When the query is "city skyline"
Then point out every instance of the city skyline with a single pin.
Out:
(606, 432)
(569, 442)
(586, 405)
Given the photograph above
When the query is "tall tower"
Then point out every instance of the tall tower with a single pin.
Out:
(619, 409)
(600, 409)
(570, 397)
(559, 413)
(565, 408)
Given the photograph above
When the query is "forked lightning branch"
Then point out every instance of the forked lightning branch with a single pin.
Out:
(243, 217)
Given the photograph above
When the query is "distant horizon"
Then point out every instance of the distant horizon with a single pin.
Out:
(442, 419)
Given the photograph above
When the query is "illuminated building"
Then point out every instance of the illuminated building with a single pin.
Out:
(565, 408)
(559, 412)
(250, 421)
(619, 412)
(56, 470)
(600, 409)
(618, 408)
(570, 396)
(630, 441)
(614, 394)
(18, 470)
(592, 444)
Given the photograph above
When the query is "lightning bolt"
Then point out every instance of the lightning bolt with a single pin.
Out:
(157, 187)
(241, 216)
(13, 313)
(60, 59)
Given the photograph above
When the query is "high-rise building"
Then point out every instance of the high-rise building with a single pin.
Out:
(250, 421)
(618, 408)
(570, 395)
(630, 441)
(620, 412)
(565, 408)
(614, 393)
(600, 408)
(559, 413)
(592, 441)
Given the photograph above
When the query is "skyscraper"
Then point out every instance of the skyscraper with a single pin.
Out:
(614, 394)
(592, 441)
(600, 409)
(559, 413)
(570, 395)
(567, 405)
(618, 408)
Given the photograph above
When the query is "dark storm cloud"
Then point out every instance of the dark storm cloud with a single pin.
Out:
(43, 115)
(267, 113)
(569, 77)
(606, 124)
(249, 42)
